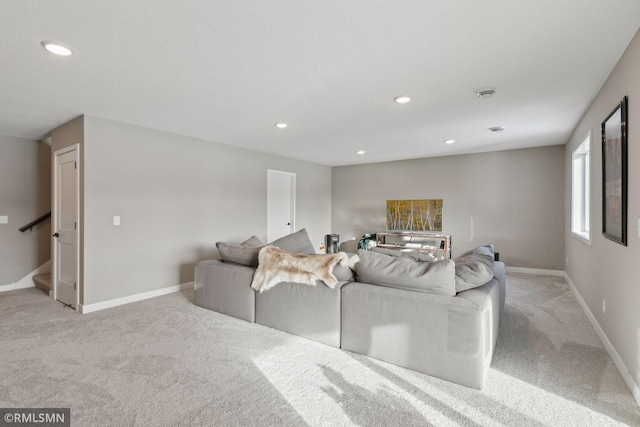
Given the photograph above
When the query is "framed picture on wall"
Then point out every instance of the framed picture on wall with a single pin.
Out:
(414, 215)
(614, 174)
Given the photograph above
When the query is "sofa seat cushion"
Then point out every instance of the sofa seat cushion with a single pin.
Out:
(404, 273)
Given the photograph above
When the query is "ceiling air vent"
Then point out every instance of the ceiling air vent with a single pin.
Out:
(486, 93)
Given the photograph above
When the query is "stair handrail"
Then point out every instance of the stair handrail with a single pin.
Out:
(34, 222)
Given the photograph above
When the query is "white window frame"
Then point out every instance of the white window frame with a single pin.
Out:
(580, 190)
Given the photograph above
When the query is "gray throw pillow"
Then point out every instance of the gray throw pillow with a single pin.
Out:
(397, 272)
(480, 250)
(473, 269)
(240, 254)
(297, 242)
(343, 273)
(252, 241)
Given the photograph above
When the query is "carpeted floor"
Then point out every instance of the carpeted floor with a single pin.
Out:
(166, 362)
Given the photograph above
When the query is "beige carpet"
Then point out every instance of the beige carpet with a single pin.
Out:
(166, 362)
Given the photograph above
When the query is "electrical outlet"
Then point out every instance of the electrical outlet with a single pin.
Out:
(116, 220)
(604, 305)
(4, 219)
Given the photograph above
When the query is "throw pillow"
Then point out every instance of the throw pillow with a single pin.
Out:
(480, 250)
(343, 273)
(397, 272)
(297, 242)
(473, 269)
(252, 241)
(240, 254)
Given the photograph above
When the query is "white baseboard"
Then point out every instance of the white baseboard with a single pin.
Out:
(617, 360)
(90, 308)
(558, 273)
(27, 281)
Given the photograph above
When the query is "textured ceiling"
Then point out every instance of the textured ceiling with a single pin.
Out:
(226, 71)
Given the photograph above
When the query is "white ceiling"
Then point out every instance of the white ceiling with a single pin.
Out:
(226, 71)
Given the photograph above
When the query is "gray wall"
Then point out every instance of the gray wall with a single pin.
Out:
(513, 199)
(25, 195)
(177, 196)
(607, 270)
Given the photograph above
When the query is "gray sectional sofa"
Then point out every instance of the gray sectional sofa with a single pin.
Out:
(429, 317)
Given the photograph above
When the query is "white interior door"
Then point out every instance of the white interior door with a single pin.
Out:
(65, 219)
(281, 204)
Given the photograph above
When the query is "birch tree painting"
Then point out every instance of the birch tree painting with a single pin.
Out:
(414, 215)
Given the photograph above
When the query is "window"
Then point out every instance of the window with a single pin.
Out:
(580, 190)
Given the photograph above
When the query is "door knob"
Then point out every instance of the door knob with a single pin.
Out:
(288, 223)
(56, 235)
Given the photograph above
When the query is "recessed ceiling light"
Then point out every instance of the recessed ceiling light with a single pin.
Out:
(360, 152)
(496, 129)
(449, 141)
(280, 125)
(56, 48)
(402, 99)
(486, 93)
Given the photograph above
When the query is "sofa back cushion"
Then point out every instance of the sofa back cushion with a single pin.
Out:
(416, 256)
(397, 272)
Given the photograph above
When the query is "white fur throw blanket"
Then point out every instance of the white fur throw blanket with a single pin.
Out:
(276, 265)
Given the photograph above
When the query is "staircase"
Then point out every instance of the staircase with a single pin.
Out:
(43, 281)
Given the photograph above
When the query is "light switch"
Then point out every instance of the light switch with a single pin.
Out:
(4, 219)
(116, 220)
(638, 227)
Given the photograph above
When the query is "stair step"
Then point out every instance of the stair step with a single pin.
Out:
(43, 281)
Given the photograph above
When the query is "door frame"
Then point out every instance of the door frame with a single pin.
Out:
(54, 222)
(292, 196)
